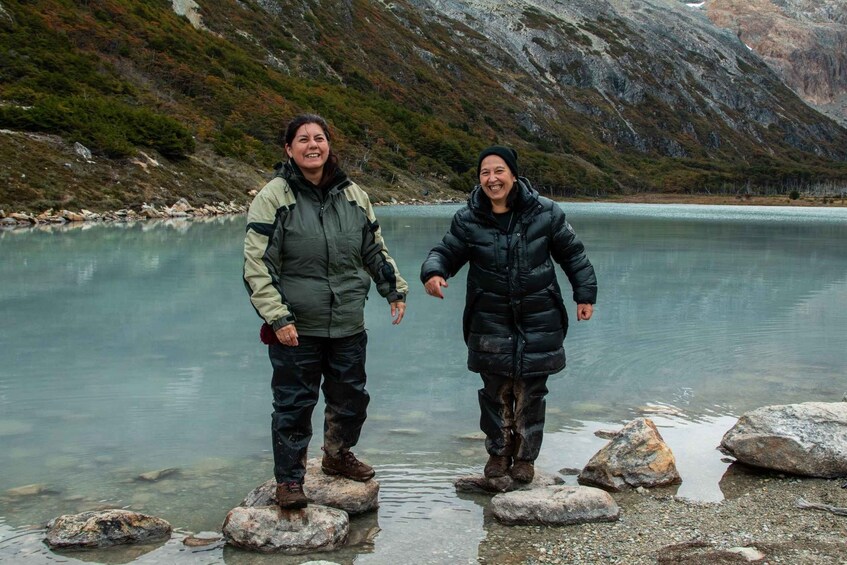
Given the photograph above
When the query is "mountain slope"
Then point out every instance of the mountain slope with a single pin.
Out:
(598, 97)
(804, 42)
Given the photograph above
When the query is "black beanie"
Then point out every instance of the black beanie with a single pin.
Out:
(506, 153)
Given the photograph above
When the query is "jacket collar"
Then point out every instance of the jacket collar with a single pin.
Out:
(294, 176)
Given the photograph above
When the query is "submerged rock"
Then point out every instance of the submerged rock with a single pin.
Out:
(202, 539)
(804, 439)
(268, 529)
(152, 476)
(636, 456)
(555, 506)
(104, 528)
(405, 431)
(480, 484)
(28, 490)
(353, 497)
(475, 436)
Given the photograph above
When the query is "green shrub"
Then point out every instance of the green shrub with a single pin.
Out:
(105, 125)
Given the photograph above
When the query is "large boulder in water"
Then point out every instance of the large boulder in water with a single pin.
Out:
(353, 497)
(269, 529)
(636, 457)
(804, 439)
(555, 506)
(105, 528)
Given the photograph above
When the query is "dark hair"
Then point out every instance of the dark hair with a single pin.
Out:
(331, 165)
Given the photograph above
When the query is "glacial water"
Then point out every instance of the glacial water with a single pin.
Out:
(132, 348)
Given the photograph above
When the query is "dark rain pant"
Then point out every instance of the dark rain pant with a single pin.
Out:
(512, 415)
(296, 378)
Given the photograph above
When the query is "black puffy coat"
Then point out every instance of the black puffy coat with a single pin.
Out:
(514, 321)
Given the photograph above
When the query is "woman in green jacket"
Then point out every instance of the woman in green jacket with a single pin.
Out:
(312, 247)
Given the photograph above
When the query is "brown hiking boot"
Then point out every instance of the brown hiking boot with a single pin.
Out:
(290, 496)
(523, 471)
(346, 465)
(497, 466)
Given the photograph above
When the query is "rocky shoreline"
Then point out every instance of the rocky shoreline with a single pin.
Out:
(181, 209)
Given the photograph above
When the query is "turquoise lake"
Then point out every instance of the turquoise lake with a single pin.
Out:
(133, 348)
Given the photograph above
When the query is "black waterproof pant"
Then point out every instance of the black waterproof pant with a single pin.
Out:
(512, 415)
(296, 379)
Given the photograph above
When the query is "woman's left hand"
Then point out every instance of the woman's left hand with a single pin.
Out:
(398, 310)
(584, 311)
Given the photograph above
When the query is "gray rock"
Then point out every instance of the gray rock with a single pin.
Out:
(748, 553)
(636, 456)
(268, 529)
(104, 528)
(181, 206)
(82, 151)
(805, 439)
(351, 496)
(555, 506)
(479, 484)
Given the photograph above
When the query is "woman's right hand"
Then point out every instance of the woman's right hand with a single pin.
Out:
(287, 335)
(433, 286)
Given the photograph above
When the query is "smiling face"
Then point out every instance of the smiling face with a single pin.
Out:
(310, 150)
(497, 181)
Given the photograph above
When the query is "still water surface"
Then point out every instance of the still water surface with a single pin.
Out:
(132, 348)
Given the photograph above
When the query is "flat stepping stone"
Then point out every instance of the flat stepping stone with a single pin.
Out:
(268, 529)
(479, 484)
(353, 497)
(105, 528)
(555, 506)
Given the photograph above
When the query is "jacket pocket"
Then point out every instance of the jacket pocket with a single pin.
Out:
(560, 306)
(470, 303)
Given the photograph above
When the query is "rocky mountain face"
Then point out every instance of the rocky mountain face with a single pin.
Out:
(804, 41)
(666, 79)
(598, 96)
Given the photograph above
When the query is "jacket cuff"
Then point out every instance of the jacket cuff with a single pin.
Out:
(395, 296)
(284, 321)
(429, 274)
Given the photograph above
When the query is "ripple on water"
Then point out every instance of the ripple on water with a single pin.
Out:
(409, 492)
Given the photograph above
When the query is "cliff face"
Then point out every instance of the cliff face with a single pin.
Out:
(666, 75)
(653, 76)
(804, 41)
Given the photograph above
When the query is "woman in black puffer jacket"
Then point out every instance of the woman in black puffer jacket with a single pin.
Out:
(514, 321)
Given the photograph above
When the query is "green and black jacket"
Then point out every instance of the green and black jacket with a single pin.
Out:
(310, 254)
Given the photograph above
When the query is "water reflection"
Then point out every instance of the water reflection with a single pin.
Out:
(130, 348)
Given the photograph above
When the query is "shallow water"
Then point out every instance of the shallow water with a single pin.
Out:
(133, 348)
